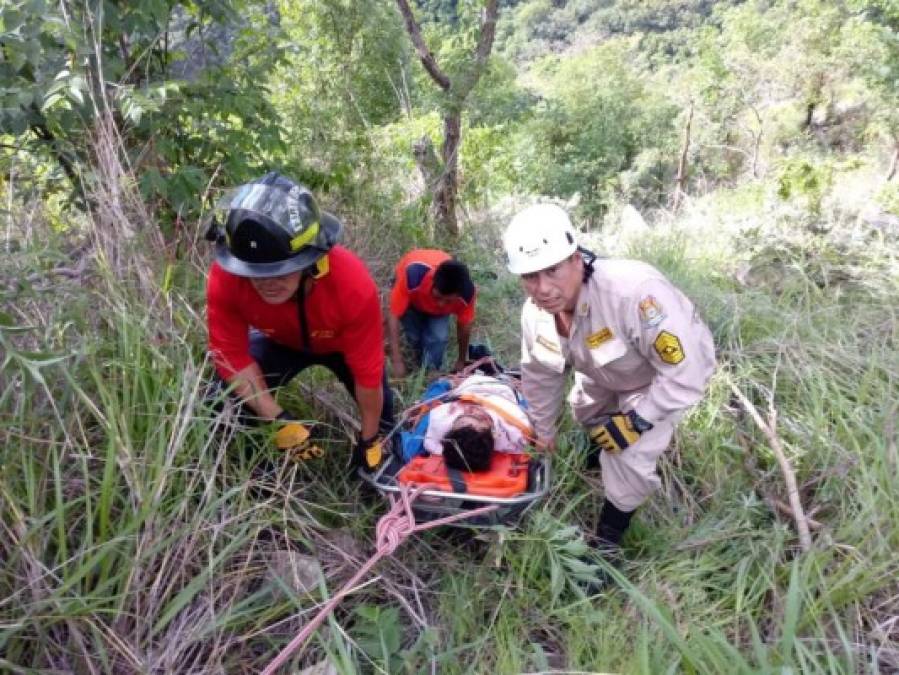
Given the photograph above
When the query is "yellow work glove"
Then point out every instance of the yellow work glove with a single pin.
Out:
(293, 439)
(619, 431)
(369, 453)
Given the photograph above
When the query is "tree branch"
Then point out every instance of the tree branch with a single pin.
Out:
(424, 54)
(768, 428)
(482, 51)
(488, 32)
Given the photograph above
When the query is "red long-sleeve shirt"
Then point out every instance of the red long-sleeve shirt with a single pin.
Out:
(343, 314)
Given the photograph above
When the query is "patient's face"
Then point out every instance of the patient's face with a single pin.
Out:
(472, 416)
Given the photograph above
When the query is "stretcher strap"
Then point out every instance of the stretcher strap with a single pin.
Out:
(456, 480)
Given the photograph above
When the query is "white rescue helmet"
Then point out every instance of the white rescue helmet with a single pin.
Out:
(538, 237)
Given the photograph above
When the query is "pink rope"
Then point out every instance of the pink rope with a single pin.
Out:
(393, 528)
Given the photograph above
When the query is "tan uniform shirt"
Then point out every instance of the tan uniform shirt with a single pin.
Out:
(634, 337)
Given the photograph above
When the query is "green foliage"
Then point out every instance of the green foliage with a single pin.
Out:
(596, 117)
(871, 47)
(179, 132)
(888, 198)
(554, 557)
(344, 75)
(377, 632)
(28, 362)
(128, 511)
(498, 97)
(806, 180)
(33, 70)
(489, 164)
(536, 28)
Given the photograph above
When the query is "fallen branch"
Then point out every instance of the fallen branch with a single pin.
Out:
(768, 428)
(777, 506)
(813, 525)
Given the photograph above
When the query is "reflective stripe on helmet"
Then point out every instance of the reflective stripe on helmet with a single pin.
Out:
(305, 237)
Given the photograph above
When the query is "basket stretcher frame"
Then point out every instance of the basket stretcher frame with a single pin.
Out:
(436, 503)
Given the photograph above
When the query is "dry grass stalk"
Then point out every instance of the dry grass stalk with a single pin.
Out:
(120, 216)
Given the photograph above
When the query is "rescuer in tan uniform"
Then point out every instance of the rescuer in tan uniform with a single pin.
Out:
(640, 354)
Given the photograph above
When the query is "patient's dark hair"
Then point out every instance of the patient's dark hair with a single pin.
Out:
(468, 449)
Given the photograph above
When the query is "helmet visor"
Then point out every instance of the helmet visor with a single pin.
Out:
(307, 233)
(294, 210)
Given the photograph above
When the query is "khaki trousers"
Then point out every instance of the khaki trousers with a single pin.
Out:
(630, 476)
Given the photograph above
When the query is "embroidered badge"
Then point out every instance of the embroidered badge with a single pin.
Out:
(651, 313)
(551, 346)
(669, 348)
(601, 336)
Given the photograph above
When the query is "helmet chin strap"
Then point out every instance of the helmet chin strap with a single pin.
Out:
(301, 309)
(589, 258)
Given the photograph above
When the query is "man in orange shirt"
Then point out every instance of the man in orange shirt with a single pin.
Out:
(428, 286)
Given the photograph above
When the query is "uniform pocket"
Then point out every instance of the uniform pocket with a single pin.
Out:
(548, 352)
(608, 351)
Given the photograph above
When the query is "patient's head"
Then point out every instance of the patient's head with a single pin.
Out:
(468, 445)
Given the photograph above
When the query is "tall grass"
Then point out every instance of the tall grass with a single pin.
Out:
(141, 534)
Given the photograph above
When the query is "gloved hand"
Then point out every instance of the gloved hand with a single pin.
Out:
(369, 453)
(294, 439)
(619, 431)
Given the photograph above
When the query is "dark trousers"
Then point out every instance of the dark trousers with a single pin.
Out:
(427, 335)
(281, 364)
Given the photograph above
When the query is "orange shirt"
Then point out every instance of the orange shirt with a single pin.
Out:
(414, 280)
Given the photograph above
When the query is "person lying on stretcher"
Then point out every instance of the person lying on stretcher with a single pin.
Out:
(479, 416)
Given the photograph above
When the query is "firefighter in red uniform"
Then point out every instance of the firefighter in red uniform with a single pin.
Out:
(282, 295)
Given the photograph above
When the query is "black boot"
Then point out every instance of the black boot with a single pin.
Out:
(612, 524)
(611, 527)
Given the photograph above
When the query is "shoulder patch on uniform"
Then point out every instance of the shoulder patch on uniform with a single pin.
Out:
(549, 344)
(651, 312)
(668, 347)
(598, 338)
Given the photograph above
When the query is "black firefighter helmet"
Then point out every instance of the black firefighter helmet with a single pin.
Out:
(272, 227)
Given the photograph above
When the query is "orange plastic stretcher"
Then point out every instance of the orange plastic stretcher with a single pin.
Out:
(513, 483)
(507, 475)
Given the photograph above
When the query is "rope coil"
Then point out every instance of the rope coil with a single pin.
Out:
(393, 528)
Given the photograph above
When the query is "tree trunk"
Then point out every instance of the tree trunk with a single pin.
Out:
(756, 141)
(445, 186)
(681, 180)
(894, 163)
(447, 183)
